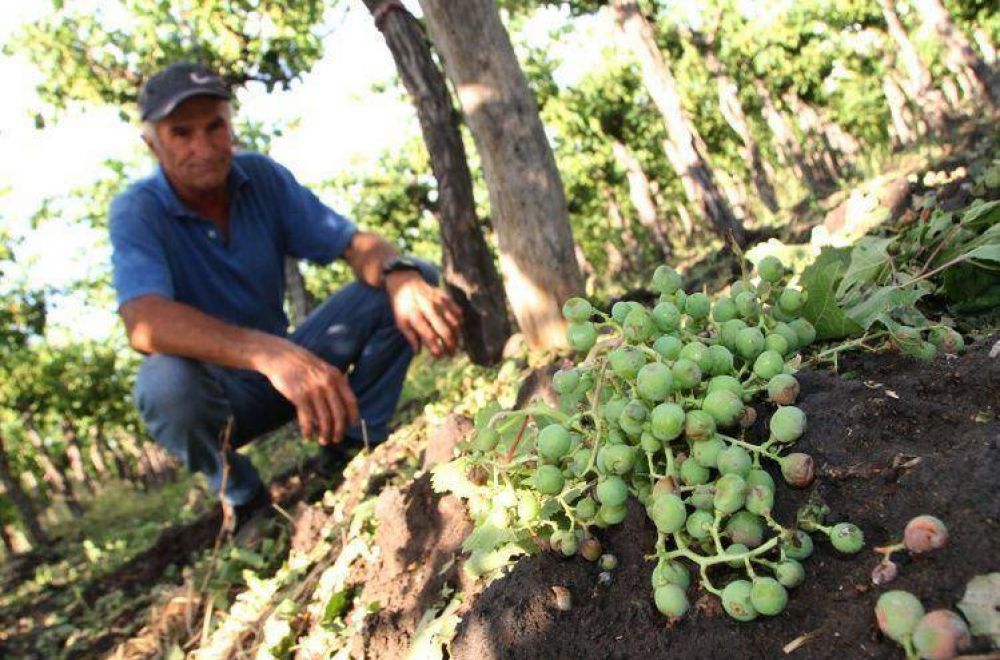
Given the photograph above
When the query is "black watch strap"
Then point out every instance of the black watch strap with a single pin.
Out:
(397, 264)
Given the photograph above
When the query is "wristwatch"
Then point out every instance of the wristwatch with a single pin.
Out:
(397, 264)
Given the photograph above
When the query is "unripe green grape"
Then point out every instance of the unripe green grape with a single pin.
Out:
(924, 351)
(768, 596)
(698, 353)
(654, 381)
(804, 330)
(791, 300)
(737, 549)
(670, 572)
(611, 515)
(787, 424)
(486, 439)
(768, 365)
(693, 474)
(798, 469)
(702, 498)
(666, 316)
(667, 511)
(608, 562)
(577, 310)
(553, 442)
(581, 336)
(618, 459)
(686, 374)
(620, 310)
(612, 410)
(721, 360)
(758, 477)
(612, 491)
(770, 269)
(568, 544)
(947, 340)
(528, 507)
(698, 425)
(586, 508)
(697, 306)
(638, 326)
(549, 480)
(897, 613)
(643, 490)
(706, 452)
(730, 493)
(798, 546)
(739, 286)
(565, 381)
(777, 343)
(648, 442)
(749, 343)
(747, 305)
(847, 538)
(667, 421)
(699, 524)
(729, 332)
(724, 382)
(668, 346)
(679, 298)
(724, 407)
(790, 573)
(665, 280)
(745, 528)
(783, 389)
(941, 634)
(811, 516)
(632, 417)
(724, 309)
(626, 361)
(734, 460)
(791, 338)
(760, 499)
(736, 601)
(925, 533)
(671, 601)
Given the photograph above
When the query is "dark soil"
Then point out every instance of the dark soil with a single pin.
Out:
(892, 438)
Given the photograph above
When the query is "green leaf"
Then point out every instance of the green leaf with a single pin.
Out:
(982, 214)
(869, 260)
(337, 605)
(481, 562)
(881, 303)
(986, 253)
(487, 537)
(981, 606)
(451, 478)
(820, 280)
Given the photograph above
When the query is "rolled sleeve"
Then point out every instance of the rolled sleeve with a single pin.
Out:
(138, 258)
(313, 230)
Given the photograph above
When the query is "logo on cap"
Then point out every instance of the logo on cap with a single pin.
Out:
(202, 80)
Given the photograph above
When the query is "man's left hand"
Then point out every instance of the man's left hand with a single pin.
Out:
(425, 314)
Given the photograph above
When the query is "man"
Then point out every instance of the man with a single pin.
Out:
(198, 255)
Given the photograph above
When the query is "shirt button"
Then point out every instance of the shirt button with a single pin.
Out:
(211, 233)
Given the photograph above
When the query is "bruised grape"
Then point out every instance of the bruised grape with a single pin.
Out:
(847, 538)
(768, 596)
(697, 306)
(698, 425)
(667, 511)
(787, 424)
(798, 545)
(749, 343)
(947, 340)
(768, 364)
(564, 542)
(941, 634)
(790, 573)
(686, 373)
(760, 499)
(736, 601)
(609, 562)
(771, 269)
(748, 418)
(665, 280)
(811, 516)
(730, 493)
(612, 491)
(884, 572)
(477, 474)
(758, 477)
(670, 572)
(565, 381)
(671, 600)
(590, 549)
(581, 336)
(654, 381)
(699, 524)
(626, 361)
(577, 310)
(618, 459)
(797, 469)
(724, 406)
(668, 346)
(734, 460)
(706, 452)
(745, 528)
(925, 533)
(667, 421)
(632, 417)
(897, 613)
(553, 442)
(549, 480)
(665, 485)
(783, 389)
(693, 474)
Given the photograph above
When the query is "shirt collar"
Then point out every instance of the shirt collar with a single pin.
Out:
(238, 179)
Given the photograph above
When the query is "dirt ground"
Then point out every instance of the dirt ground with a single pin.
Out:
(892, 438)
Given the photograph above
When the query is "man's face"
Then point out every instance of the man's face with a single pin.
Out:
(194, 144)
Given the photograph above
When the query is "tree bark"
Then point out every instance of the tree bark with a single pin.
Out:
(642, 198)
(986, 47)
(300, 301)
(470, 273)
(631, 258)
(20, 499)
(75, 455)
(684, 152)
(903, 133)
(961, 58)
(824, 158)
(786, 142)
(527, 201)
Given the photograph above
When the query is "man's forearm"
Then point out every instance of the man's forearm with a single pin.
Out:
(367, 254)
(157, 325)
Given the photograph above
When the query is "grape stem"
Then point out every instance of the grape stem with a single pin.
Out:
(751, 447)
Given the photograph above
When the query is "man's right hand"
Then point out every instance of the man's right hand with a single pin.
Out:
(322, 397)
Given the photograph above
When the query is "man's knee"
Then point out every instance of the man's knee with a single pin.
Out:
(173, 390)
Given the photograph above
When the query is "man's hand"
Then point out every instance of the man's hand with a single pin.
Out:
(424, 314)
(322, 397)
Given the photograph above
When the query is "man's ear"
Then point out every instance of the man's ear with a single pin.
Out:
(150, 146)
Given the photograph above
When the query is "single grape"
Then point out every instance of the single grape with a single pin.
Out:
(724, 309)
(586, 508)
(941, 634)
(730, 493)
(528, 507)
(670, 572)
(721, 359)
(791, 300)
(699, 524)
(567, 543)
(671, 601)
(581, 336)
(758, 477)
(665, 280)
(787, 424)
(725, 382)
(549, 480)
(611, 491)
(777, 343)
(925, 533)
(749, 343)
(612, 409)
(633, 415)
(654, 381)
(638, 325)
(703, 498)
(565, 381)
(697, 306)
(698, 353)
(947, 340)
(897, 613)
(553, 442)
(729, 331)
(768, 365)
(667, 421)
(736, 601)
(618, 459)
(847, 538)
(724, 406)
(786, 331)
(747, 305)
(611, 515)
(706, 452)
(804, 330)
(626, 361)
(797, 469)
(577, 310)
(737, 549)
(649, 443)
(783, 389)
(620, 310)
(668, 346)
(768, 596)
(608, 562)
(686, 374)
(745, 528)
(797, 546)
(698, 425)
(590, 549)
(884, 572)
(486, 439)
(760, 499)
(748, 418)
(790, 573)
(666, 485)
(667, 512)
(679, 298)
(666, 316)
(771, 269)
(739, 286)
(693, 474)
(734, 460)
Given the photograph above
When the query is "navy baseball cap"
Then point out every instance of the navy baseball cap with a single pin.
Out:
(178, 82)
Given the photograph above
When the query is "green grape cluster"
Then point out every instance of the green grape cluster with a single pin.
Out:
(658, 407)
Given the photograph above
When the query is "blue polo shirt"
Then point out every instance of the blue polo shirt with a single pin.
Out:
(159, 246)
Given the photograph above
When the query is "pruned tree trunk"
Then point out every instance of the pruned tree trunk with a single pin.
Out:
(824, 158)
(50, 473)
(786, 142)
(75, 455)
(300, 301)
(470, 272)
(619, 261)
(961, 58)
(642, 197)
(527, 200)
(986, 47)
(688, 160)
(20, 499)
(903, 132)
(918, 77)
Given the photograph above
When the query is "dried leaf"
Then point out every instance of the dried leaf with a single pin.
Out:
(981, 606)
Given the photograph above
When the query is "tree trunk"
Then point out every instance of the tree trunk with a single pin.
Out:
(75, 455)
(50, 473)
(961, 57)
(642, 198)
(618, 261)
(918, 82)
(21, 501)
(300, 301)
(902, 133)
(824, 159)
(470, 273)
(684, 153)
(527, 201)
(786, 142)
(986, 47)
